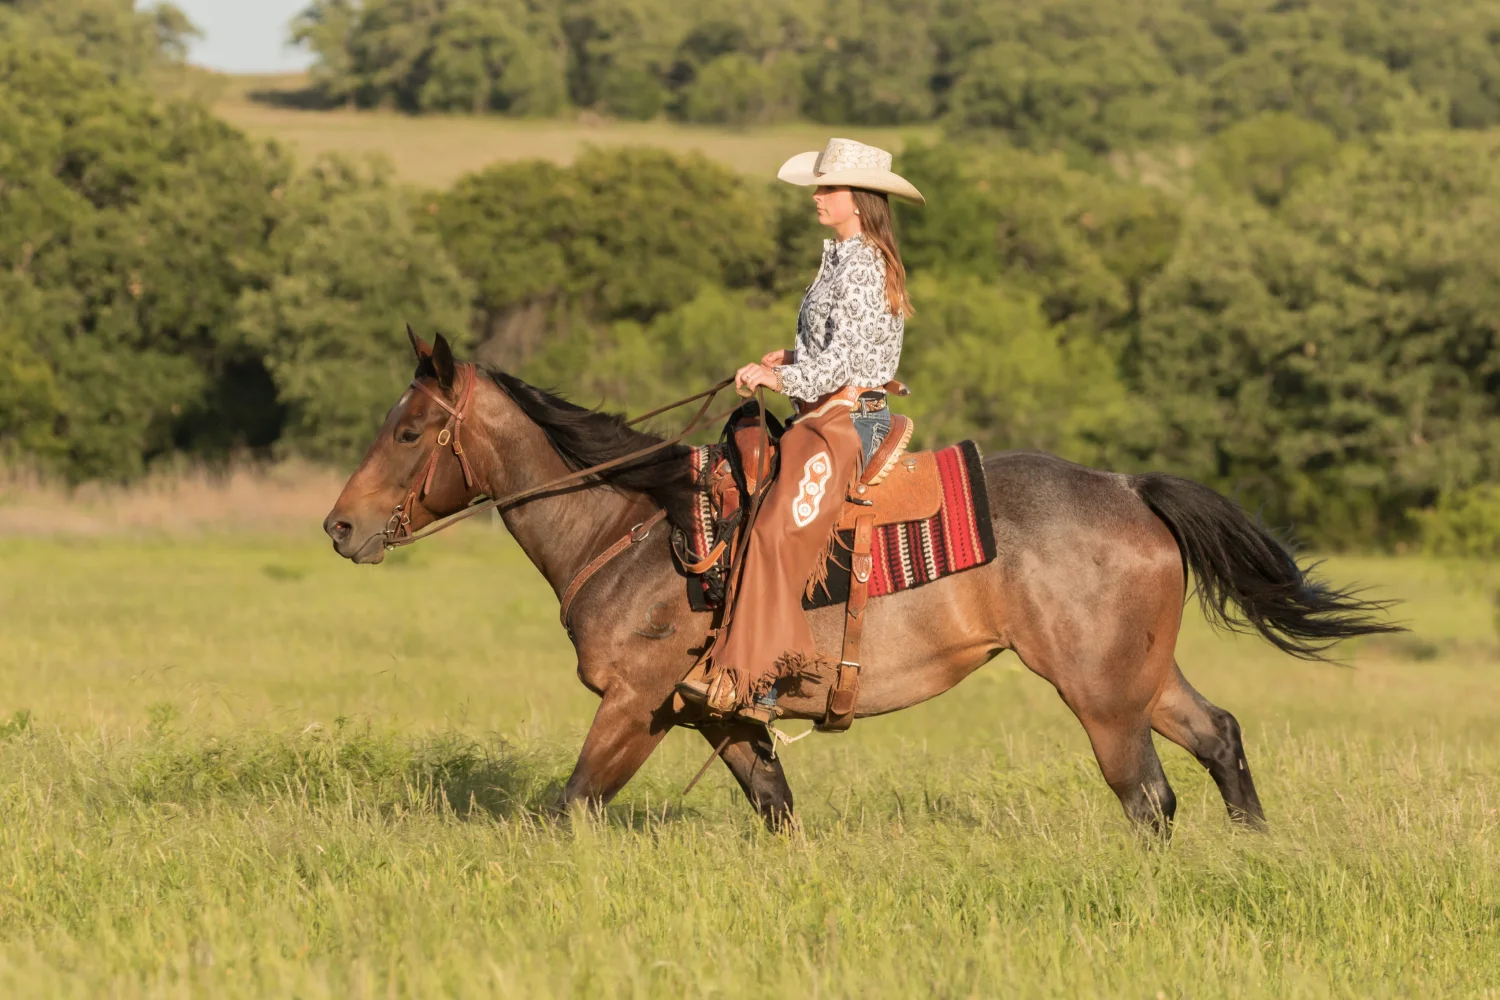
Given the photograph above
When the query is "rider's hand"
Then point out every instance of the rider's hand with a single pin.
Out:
(753, 376)
(774, 358)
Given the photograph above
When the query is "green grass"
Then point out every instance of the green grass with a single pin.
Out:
(250, 769)
(435, 150)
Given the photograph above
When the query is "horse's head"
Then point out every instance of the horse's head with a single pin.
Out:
(415, 470)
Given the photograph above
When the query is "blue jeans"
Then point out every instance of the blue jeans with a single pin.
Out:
(872, 428)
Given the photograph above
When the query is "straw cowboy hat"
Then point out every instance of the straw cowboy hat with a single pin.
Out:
(846, 163)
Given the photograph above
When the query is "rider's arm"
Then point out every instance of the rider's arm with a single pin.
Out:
(856, 322)
(818, 375)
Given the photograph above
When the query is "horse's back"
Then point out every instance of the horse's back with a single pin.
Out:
(1032, 491)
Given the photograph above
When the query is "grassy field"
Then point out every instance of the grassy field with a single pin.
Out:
(237, 766)
(435, 150)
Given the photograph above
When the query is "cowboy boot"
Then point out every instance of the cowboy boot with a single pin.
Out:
(694, 692)
(718, 697)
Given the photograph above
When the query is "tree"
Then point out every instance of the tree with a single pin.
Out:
(128, 227)
(626, 233)
(127, 42)
(1337, 362)
(1267, 157)
(984, 362)
(351, 269)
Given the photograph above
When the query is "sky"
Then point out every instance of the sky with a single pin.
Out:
(244, 36)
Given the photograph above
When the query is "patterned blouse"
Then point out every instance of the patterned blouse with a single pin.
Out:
(846, 333)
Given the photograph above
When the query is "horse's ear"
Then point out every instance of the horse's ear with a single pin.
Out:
(422, 347)
(442, 362)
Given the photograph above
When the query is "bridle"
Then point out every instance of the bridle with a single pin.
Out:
(398, 528)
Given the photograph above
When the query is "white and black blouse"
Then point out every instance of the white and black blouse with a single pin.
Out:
(846, 332)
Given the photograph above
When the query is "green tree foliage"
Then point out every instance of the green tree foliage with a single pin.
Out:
(985, 362)
(1337, 362)
(351, 267)
(127, 42)
(638, 366)
(458, 55)
(1267, 156)
(1071, 238)
(169, 287)
(127, 228)
(1464, 523)
(627, 233)
(1094, 75)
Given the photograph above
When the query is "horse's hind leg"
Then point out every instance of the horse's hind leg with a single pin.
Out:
(1212, 735)
(1127, 758)
(1110, 688)
(759, 774)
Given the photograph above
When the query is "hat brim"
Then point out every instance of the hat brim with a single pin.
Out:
(799, 170)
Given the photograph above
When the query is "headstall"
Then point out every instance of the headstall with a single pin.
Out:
(398, 528)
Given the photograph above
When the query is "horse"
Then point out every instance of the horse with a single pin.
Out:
(1088, 587)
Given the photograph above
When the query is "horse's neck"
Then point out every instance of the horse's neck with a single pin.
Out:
(560, 533)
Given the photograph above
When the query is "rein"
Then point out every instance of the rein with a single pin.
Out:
(398, 529)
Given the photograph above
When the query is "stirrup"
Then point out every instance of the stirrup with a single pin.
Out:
(755, 712)
(695, 693)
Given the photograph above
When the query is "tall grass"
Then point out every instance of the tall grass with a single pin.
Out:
(241, 496)
(236, 766)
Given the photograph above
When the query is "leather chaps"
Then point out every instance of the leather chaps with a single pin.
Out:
(769, 637)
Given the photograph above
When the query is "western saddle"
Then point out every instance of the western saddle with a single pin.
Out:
(894, 487)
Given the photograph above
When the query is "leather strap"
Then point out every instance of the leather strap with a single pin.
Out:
(844, 694)
(639, 533)
(398, 528)
(851, 394)
(706, 563)
(399, 533)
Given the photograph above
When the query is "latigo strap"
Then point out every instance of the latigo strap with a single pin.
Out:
(844, 694)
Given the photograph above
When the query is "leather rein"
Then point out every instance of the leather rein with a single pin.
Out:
(398, 529)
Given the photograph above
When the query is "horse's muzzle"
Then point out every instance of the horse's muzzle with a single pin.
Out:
(352, 544)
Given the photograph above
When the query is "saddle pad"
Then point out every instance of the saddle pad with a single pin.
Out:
(958, 537)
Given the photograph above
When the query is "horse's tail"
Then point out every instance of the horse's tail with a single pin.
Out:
(1236, 561)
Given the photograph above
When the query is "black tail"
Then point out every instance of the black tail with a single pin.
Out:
(1237, 562)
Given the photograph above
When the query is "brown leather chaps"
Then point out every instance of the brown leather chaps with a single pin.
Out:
(768, 636)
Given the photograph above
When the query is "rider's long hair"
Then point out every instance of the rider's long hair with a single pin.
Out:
(875, 224)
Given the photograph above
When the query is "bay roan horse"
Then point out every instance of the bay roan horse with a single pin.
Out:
(1088, 587)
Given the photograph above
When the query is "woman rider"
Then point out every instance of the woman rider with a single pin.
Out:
(848, 346)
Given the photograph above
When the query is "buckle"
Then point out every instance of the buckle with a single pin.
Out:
(640, 533)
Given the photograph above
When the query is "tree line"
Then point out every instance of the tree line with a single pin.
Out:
(1101, 74)
(1304, 321)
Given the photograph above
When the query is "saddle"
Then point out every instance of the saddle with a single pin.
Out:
(895, 487)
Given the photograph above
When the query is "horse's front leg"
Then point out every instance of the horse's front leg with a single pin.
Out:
(748, 757)
(626, 729)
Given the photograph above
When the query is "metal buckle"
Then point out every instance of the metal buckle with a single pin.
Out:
(444, 436)
(638, 535)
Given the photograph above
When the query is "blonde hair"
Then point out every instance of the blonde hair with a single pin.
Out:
(877, 228)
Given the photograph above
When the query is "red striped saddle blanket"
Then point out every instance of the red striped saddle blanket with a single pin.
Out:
(906, 554)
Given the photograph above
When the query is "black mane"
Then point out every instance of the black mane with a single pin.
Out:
(585, 437)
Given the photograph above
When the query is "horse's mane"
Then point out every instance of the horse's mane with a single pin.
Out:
(585, 437)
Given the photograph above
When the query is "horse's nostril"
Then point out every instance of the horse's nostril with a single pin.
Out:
(340, 530)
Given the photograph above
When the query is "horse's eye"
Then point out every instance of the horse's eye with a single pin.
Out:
(408, 435)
